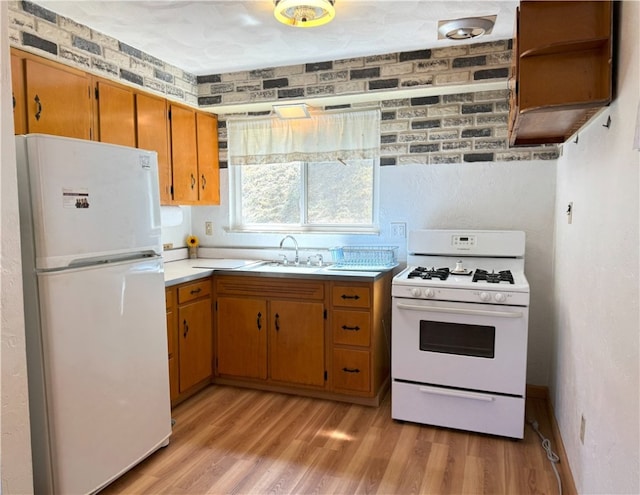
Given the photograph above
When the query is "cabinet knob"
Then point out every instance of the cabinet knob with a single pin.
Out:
(351, 370)
(277, 322)
(353, 329)
(258, 322)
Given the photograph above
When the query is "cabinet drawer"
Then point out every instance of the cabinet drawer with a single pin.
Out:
(351, 296)
(351, 327)
(351, 370)
(193, 291)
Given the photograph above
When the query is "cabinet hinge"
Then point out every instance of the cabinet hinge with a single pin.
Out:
(97, 93)
(169, 114)
(325, 375)
(325, 314)
(172, 190)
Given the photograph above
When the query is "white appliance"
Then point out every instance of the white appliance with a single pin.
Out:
(94, 310)
(460, 324)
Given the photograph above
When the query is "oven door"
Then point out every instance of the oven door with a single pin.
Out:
(479, 347)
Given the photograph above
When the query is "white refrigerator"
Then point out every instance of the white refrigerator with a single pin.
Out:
(94, 310)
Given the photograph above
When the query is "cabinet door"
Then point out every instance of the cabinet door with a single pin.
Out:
(153, 134)
(208, 162)
(17, 83)
(116, 114)
(242, 337)
(196, 343)
(172, 337)
(58, 101)
(296, 342)
(184, 155)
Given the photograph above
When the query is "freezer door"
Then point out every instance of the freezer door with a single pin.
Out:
(89, 199)
(104, 343)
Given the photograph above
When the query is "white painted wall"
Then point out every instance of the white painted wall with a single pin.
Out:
(596, 317)
(15, 456)
(514, 195)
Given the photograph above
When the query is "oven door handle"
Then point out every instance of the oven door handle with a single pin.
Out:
(461, 311)
(461, 394)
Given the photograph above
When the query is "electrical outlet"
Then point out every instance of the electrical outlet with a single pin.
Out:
(570, 213)
(208, 228)
(399, 229)
(583, 427)
(167, 246)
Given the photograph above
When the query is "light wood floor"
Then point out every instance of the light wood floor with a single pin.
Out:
(231, 440)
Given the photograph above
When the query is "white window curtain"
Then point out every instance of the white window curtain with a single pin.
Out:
(326, 137)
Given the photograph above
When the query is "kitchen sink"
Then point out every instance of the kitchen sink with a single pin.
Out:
(275, 267)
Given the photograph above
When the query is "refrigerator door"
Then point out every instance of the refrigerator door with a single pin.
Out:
(104, 346)
(89, 201)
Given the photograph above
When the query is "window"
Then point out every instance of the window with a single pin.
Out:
(313, 175)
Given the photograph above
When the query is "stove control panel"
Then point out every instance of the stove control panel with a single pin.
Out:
(461, 295)
(463, 241)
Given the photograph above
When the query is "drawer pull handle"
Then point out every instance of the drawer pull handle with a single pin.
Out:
(277, 322)
(186, 328)
(461, 394)
(193, 181)
(344, 296)
(354, 329)
(351, 370)
(204, 182)
(196, 291)
(259, 323)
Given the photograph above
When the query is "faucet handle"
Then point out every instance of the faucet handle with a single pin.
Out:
(320, 259)
(284, 260)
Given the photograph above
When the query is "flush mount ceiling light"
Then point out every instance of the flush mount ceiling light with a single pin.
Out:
(304, 13)
(292, 111)
(466, 28)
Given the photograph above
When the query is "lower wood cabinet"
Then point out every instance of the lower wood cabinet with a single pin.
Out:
(190, 338)
(303, 335)
(270, 330)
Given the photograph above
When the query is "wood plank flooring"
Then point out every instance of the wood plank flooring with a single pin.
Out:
(238, 441)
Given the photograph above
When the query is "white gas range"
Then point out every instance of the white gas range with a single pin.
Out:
(459, 331)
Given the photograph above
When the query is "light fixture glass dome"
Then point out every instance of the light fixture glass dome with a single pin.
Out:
(304, 13)
(467, 28)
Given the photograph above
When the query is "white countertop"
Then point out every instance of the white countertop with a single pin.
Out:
(186, 270)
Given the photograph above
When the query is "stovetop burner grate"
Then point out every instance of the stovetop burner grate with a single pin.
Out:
(493, 278)
(429, 273)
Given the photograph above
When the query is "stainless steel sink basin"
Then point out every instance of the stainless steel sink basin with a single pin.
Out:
(274, 267)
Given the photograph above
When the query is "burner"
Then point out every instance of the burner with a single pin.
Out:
(493, 278)
(428, 274)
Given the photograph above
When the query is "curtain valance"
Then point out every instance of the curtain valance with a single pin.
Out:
(322, 138)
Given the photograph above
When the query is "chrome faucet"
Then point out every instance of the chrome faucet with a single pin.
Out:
(295, 243)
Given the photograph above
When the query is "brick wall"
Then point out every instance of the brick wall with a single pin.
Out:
(451, 128)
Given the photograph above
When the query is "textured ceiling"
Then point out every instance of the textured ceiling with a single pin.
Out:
(209, 37)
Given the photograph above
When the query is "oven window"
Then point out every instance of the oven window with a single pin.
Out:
(456, 338)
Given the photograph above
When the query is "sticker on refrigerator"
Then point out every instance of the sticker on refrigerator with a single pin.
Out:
(75, 198)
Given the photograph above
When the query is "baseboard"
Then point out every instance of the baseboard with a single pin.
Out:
(568, 485)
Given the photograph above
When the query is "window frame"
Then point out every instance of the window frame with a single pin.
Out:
(235, 207)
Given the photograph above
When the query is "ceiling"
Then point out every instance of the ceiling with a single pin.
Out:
(219, 36)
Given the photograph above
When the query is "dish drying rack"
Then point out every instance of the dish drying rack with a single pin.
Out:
(368, 258)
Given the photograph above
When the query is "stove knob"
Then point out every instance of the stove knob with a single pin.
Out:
(484, 296)
(500, 297)
(429, 293)
(415, 292)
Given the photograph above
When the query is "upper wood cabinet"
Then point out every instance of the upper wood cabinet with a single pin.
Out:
(561, 69)
(194, 156)
(19, 107)
(152, 127)
(208, 161)
(116, 113)
(184, 154)
(51, 98)
(58, 100)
